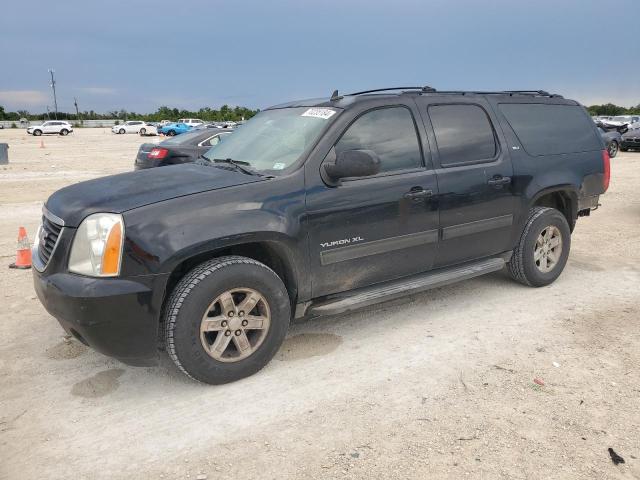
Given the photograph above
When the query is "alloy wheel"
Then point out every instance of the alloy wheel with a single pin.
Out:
(548, 249)
(235, 324)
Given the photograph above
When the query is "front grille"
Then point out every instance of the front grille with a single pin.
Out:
(48, 239)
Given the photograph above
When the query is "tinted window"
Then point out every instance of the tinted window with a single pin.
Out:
(551, 129)
(463, 133)
(390, 133)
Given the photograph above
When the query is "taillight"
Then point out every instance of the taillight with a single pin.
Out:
(157, 153)
(606, 160)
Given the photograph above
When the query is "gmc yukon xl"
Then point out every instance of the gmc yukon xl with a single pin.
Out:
(317, 207)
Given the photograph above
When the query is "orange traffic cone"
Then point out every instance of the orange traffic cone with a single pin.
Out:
(23, 255)
(41, 143)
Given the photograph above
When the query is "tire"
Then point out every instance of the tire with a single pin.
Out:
(142, 131)
(64, 132)
(613, 149)
(194, 301)
(523, 267)
(171, 133)
(37, 133)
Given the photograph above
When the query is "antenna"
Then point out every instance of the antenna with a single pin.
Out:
(335, 96)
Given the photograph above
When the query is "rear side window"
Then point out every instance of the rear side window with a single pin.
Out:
(463, 133)
(551, 129)
(390, 133)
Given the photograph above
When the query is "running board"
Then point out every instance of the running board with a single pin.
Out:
(364, 297)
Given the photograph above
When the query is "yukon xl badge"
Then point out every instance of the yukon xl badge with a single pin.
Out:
(344, 241)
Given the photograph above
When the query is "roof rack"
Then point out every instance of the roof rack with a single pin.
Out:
(427, 89)
(535, 93)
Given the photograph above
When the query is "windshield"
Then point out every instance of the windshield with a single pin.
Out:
(274, 139)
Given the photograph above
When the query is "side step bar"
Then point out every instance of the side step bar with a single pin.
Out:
(364, 297)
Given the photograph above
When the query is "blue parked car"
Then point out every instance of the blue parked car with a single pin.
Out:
(172, 129)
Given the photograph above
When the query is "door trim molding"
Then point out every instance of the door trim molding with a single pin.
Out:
(478, 226)
(375, 247)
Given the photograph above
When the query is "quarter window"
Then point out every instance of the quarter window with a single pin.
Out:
(463, 133)
(390, 133)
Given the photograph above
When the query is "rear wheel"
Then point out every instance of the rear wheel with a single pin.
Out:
(613, 149)
(64, 132)
(226, 319)
(171, 133)
(543, 248)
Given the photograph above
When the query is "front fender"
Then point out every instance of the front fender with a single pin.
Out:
(162, 235)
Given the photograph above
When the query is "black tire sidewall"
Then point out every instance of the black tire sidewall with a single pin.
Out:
(64, 131)
(121, 131)
(186, 330)
(37, 133)
(549, 218)
(615, 152)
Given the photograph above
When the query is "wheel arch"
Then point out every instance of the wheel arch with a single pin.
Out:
(274, 254)
(563, 198)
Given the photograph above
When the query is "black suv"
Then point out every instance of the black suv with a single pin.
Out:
(317, 207)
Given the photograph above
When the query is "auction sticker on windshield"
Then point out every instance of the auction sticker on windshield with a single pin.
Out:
(319, 113)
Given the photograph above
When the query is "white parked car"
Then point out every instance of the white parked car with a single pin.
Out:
(149, 129)
(192, 122)
(132, 126)
(620, 120)
(58, 127)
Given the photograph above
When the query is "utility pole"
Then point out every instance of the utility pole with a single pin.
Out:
(48, 117)
(75, 102)
(53, 86)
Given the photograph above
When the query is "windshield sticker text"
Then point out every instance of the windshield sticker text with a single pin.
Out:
(323, 113)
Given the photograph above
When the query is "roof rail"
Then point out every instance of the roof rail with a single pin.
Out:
(425, 89)
(534, 93)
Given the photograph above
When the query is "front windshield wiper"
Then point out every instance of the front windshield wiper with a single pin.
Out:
(244, 167)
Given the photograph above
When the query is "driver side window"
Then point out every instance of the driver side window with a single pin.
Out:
(390, 133)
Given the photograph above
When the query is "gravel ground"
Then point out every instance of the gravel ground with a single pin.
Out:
(437, 385)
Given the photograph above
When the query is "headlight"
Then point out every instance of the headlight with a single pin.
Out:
(97, 246)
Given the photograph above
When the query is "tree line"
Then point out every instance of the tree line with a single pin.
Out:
(609, 109)
(225, 113)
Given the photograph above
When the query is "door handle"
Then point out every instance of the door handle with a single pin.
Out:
(418, 194)
(499, 181)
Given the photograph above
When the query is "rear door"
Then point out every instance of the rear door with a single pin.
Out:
(474, 173)
(373, 229)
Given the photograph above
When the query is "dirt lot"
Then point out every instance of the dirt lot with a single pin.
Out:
(439, 385)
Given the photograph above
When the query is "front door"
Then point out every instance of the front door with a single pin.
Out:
(372, 229)
(474, 172)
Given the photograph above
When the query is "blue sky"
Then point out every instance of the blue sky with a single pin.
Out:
(141, 54)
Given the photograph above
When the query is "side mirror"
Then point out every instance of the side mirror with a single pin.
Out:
(353, 163)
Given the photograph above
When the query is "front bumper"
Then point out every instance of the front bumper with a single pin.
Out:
(627, 143)
(115, 316)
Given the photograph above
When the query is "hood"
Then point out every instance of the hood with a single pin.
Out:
(119, 193)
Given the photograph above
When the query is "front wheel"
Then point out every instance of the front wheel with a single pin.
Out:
(143, 131)
(613, 149)
(543, 249)
(37, 133)
(121, 131)
(226, 319)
